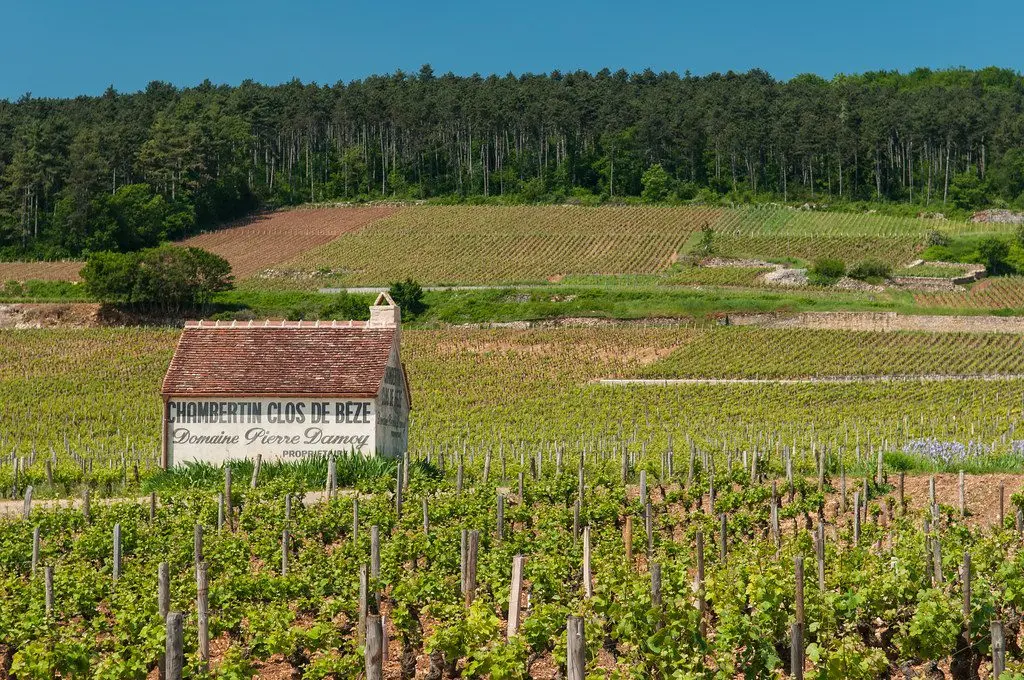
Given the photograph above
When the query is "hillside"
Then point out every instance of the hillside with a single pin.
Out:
(252, 245)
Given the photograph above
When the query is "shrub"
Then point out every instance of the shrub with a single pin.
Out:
(409, 296)
(937, 238)
(870, 269)
(827, 270)
(167, 277)
(992, 252)
(707, 240)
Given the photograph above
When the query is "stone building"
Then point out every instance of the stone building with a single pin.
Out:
(287, 389)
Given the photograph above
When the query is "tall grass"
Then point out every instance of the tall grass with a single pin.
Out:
(309, 473)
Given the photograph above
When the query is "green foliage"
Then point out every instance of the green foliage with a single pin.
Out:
(993, 252)
(874, 270)
(656, 184)
(967, 191)
(408, 295)
(166, 278)
(932, 631)
(188, 152)
(937, 238)
(826, 271)
(706, 245)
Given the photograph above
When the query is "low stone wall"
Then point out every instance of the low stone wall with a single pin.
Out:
(880, 321)
(931, 284)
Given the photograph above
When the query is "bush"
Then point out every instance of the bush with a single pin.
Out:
(827, 271)
(937, 238)
(707, 240)
(165, 278)
(409, 296)
(993, 251)
(870, 269)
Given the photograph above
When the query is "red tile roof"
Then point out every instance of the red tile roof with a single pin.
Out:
(275, 358)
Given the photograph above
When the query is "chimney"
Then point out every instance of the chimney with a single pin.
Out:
(384, 313)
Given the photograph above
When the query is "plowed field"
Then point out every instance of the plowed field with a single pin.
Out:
(270, 239)
(39, 271)
(253, 245)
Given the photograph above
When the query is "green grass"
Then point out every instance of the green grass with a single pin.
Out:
(309, 473)
(931, 271)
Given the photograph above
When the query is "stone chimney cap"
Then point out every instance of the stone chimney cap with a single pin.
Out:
(384, 313)
(388, 302)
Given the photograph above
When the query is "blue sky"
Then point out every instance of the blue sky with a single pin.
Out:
(60, 48)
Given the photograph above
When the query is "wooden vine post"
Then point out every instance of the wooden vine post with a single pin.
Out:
(576, 646)
(515, 596)
(797, 631)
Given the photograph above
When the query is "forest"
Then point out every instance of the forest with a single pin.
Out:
(124, 171)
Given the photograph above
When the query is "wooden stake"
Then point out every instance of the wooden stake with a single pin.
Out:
(900, 497)
(163, 597)
(117, 552)
(284, 552)
(588, 582)
(355, 519)
(965, 579)
(798, 593)
(515, 596)
(501, 517)
(203, 614)
(364, 601)
(228, 507)
(374, 652)
(723, 538)
(576, 660)
(627, 538)
(472, 549)
(174, 646)
(35, 550)
(796, 659)
(375, 551)
(197, 546)
(48, 589)
(998, 649)
(649, 528)
(656, 585)
(256, 471)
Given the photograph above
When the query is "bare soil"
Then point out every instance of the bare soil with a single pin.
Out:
(50, 315)
(40, 271)
(270, 239)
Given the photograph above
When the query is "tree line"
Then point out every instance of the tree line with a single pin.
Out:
(124, 171)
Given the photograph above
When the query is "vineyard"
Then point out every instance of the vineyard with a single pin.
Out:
(93, 394)
(987, 294)
(254, 245)
(589, 560)
(542, 525)
(894, 251)
(717, 276)
(797, 353)
(513, 244)
(448, 245)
